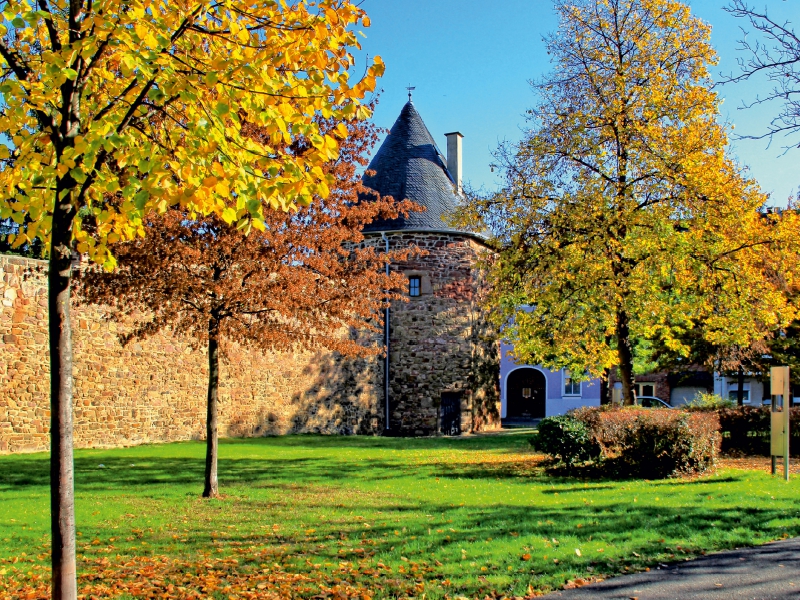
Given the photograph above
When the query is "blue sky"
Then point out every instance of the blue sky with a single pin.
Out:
(471, 62)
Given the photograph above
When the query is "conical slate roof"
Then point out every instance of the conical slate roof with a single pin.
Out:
(408, 165)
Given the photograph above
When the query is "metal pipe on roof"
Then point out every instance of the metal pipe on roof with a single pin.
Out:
(454, 157)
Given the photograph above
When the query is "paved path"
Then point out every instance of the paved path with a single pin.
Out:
(766, 572)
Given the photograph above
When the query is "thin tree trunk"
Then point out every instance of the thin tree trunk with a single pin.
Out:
(605, 388)
(625, 355)
(740, 387)
(211, 489)
(62, 497)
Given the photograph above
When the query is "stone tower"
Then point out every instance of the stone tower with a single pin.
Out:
(440, 375)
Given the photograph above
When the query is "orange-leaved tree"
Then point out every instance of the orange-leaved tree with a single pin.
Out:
(308, 280)
(116, 109)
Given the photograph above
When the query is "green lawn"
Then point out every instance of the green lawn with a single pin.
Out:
(384, 517)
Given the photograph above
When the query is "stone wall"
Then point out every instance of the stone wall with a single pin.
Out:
(155, 390)
(440, 341)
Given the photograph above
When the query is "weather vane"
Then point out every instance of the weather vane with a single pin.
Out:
(410, 89)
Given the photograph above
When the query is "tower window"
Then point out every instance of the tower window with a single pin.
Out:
(414, 286)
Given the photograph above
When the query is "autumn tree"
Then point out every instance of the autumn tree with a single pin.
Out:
(772, 51)
(771, 346)
(117, 109)
(31, 249)
(621, 217)
(305, 281)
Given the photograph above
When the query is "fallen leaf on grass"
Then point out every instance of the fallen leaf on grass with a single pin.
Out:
(206, 576)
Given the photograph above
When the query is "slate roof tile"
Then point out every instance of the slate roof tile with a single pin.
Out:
(409, 165)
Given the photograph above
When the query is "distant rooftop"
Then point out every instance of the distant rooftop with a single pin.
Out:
(408, 165)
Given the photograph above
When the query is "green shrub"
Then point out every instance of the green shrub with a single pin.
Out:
(566, 439)
(653, 443)
(706, 401)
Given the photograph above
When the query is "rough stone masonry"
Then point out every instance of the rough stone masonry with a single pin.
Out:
(440, 341)
(443, 358)
(155, 390)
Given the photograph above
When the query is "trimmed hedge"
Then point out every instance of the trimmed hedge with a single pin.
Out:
(746, 430)
(662, 443)
(633, 441)
(566, 439)
(654, 443)
(658, 443)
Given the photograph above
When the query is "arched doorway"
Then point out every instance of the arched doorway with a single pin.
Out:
(525, 394)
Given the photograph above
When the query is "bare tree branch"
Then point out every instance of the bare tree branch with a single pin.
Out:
(775, 54)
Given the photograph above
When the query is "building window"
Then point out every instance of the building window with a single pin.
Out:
(414, 285)
(571, 387)
(733, 391)
(644, 388)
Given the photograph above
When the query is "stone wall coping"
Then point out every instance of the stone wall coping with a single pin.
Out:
(454, 232)
(22, 259)
(15, 259)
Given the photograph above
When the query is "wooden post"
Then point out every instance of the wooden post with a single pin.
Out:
(780, 385)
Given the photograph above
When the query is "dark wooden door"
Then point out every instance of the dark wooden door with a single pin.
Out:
(451, 413)
(526, 394)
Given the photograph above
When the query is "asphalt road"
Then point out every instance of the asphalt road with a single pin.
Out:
(765, 572)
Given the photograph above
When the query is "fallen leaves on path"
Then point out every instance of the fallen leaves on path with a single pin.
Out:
(581, 581)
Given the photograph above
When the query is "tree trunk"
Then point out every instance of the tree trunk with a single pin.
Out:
(605, 389)
(625, 355)
(740, 387)
(62, 497)
(211, 489)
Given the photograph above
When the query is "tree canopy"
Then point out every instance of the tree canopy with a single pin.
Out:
(129, 107)
(621, 217)
(116, 109)
(307, 281)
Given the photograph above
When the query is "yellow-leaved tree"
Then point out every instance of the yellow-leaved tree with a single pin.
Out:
(114, 109)
(622, 222)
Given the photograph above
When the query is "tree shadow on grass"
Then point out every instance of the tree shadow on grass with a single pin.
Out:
(109, 471)
(121, 473)
(610, 470)
(407, 525)
(583, 489)
(511, 442)
(632, 536)
(704, 481)
(148, 465)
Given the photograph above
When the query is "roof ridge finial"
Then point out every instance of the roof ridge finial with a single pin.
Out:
(410, 89)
